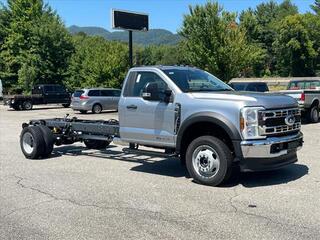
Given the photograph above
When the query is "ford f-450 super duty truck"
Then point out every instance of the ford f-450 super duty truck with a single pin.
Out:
(190, 114)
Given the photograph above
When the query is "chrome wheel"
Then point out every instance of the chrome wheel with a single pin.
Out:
(205, 161)
(28, 142)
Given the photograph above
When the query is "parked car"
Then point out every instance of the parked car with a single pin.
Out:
(190, 114)
(250, 86)
(95, 99)
(41, 94)
(307, 94)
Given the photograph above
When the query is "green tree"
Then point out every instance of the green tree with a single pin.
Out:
(214, 42)
(260, 25)
(159, 55)
(36, 41)
(295, 50)
(316, 7)
(97, 63)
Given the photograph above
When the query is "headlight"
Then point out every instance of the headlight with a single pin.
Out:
(249, 122)
(12, 101)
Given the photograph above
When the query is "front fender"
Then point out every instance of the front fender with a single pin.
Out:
(214, 118)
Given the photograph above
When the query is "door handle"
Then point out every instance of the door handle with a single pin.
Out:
(132, 107)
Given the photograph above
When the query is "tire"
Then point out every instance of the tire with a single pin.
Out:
(96, 144)
(27, 105)
(31, 142)
(48, 139)
(313, 114)
(97, 108)
(66, 105)
(83, 111)
(209, 160)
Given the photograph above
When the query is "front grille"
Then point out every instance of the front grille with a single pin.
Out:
(273, 122)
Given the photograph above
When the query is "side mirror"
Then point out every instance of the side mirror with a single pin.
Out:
(151, 92)
(167, 96)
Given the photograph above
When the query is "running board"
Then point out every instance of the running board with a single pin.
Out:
(149, 153)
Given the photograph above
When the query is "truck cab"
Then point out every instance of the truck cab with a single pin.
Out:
(171, 107)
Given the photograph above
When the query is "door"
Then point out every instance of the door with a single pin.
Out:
(49, 94)
(61, 94)
(107, 99)
(115, 98)
(143, 121)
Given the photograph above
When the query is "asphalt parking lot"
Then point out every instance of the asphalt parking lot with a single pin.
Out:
(89, 194)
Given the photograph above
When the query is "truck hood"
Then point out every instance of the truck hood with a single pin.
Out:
(266, 100)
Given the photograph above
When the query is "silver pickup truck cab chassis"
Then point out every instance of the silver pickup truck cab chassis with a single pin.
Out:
(191, 115)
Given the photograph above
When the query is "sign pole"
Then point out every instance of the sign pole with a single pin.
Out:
(130, 49)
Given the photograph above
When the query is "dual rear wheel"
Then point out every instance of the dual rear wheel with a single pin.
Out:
(36, 142)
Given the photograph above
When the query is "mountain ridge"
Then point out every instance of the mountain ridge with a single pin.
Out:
(152, 37)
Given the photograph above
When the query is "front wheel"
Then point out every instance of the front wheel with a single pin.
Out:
(313, 114)
(27, 105)
(209, 160)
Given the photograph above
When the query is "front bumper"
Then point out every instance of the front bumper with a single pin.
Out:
(270, 153)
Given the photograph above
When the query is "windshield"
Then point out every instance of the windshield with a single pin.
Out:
(195, 80)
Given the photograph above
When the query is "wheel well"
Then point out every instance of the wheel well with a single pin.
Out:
(205, 128)
(315, 103)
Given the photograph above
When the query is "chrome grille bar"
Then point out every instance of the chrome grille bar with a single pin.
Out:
(273, 121)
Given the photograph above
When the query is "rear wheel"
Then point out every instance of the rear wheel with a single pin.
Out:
(48, 140)
(97, 108)
(209, 160)
(313, 114)
(27, 105)
(96, 144)
(31, 142)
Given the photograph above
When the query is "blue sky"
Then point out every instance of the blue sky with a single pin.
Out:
(167, 14)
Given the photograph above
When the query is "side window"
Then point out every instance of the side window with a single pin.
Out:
(301, 85)
(106, 93)
(251, 87)
(314, 84)
(262, 88)
(142, 79)
(116, 93)
(94, 93)
(138, 80)
(49, 89)
(37, 90)
(59, 89)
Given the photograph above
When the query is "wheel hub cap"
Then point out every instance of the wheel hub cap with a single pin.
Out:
(27, 142)
(206, 161)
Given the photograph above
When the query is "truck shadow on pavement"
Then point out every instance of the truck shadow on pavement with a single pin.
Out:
(171, 167)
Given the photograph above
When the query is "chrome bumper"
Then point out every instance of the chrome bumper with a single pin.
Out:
(263, 148)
